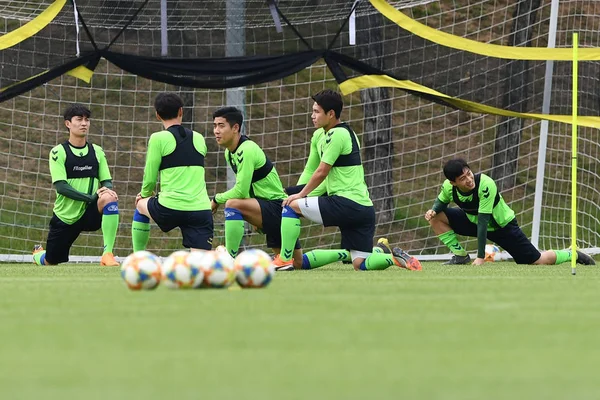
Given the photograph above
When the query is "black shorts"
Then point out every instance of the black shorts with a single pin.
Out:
(511, 238)
(356, 222)
(196, 226)
(270, 210)
(61, 236)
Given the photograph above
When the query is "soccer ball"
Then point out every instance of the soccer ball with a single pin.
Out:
(179, 271)
(490, 252)
(253, 269)
(218, 269)
(221, 249)
(141, 270)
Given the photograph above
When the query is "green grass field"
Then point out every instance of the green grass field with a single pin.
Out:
(500, 331)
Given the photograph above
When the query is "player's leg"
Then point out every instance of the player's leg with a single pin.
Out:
(61, 237)
(290, 227)
(270, 225)
(409, 262)
(446, 224)
(197, 229)
(109, 208)
(512, 239)
(140, 227)
(236, 212)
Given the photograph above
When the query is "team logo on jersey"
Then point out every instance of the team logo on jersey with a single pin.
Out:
(82, 168)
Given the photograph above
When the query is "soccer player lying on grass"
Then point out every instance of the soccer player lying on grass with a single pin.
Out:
(348, 206)
(85, 200)
(257, 194)
(177, 154)
(483, 213)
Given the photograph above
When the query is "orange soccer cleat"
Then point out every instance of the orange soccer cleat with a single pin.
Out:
(281, 265)
(108, 260)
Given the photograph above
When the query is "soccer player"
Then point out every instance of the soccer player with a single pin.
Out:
(177, 155)
(85, 200)
(347, 205)
(257, 194)
(483, 213)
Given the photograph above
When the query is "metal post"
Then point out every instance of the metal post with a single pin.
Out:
(539, 180)
(164, 38)
(235, 44)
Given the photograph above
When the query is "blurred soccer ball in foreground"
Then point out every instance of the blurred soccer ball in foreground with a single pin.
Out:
(253, 269)
(218, 269)
(141, 270)
(490, 252)
(180, 272)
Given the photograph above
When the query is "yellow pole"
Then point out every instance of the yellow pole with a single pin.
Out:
(574, 158)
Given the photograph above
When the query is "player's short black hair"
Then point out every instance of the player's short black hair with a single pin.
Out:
(232, 115)
(76, 110)
(167, 105)
(455, 168)
(329, 100)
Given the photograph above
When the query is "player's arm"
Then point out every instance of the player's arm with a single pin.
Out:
(153, 159)
(103, 172)
(243, 178)
(63, 187)
(440, 203)
(312, 163)
(316, 179)
(487, 195)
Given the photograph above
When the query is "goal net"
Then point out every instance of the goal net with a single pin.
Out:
(405, 138)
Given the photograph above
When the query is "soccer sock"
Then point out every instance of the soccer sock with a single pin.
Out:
(110, 224)
(377, 261)
(40, 257)
(377, 249)
(234, 230)
(290, 230)
(140, 231)
(449, 239)
(318, 258)
(562, 256)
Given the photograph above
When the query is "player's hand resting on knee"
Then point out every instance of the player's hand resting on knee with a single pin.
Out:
(430, 214)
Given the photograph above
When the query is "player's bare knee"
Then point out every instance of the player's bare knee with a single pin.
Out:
(233, 203)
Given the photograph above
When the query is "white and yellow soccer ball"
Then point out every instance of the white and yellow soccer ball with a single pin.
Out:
(179, 271)
(253, 269)
(141, 270)
(490, 252)
(218, 269)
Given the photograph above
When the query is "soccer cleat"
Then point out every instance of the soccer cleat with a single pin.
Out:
(108, 260)
(384, 245)
(409, 262)
(36, 249)
(584, 259)
(281, 265)
(458, 260)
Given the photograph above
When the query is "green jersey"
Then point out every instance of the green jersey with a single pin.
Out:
(81, 167)
(255, 175)
(339, 148)
(483, 199)
(177, 155)
(314, 159)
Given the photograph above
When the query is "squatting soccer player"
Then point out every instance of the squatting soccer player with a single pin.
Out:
(483, 213)
(347, 204)
(85, 200)
(257, 194)
(177, 154)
